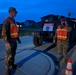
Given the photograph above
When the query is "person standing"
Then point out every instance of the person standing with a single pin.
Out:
(62, 37)
(10, 36)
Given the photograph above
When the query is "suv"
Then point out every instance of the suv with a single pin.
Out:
(47, 32)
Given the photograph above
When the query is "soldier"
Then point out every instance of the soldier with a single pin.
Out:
(10, 35)
(62, 37)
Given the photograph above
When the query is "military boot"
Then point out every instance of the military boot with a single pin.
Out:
(14, 67)
(58, 60)
(65, 61)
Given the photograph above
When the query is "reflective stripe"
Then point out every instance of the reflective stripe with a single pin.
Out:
(61, 36)
(70, 70)
(13, 25)
(13, 34)
(61, 30)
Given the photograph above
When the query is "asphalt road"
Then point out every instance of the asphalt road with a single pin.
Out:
(27, 51)
(27, 43)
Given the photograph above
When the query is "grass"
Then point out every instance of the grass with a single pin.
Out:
(26, 31)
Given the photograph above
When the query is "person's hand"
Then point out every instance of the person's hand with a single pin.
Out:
(54, 41)
(8, 44)
(19, 41)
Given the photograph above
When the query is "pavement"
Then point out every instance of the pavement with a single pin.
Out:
(36, 60)
(32, 62)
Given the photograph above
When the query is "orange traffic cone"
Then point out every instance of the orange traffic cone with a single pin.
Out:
(69, 67)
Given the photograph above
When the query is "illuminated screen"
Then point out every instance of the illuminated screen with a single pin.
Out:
(48, 27)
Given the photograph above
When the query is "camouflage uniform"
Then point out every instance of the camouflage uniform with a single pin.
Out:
(10, 50)
(10, 54)
(62, 49)
(63, 46)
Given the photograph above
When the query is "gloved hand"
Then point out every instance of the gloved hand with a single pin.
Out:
(54, 41)
(19, 40)
(8, 45)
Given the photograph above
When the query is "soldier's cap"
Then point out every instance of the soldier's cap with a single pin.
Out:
(13, 9)
(63, 19)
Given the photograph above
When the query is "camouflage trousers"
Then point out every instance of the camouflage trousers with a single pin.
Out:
(10, 54)
(62, 49)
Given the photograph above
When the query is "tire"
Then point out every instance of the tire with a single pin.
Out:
(37, 41)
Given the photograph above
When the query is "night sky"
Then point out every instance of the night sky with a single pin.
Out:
(35, 9)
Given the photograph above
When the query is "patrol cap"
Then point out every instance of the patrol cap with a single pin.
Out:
(13, 9)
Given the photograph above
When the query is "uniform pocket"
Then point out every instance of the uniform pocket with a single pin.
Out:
(8, 47)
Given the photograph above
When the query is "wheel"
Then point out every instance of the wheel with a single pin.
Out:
(37, 41)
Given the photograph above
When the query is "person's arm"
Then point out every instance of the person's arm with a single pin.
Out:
(69, 29)
(54, 39)
(19, 41)
(5, 28)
